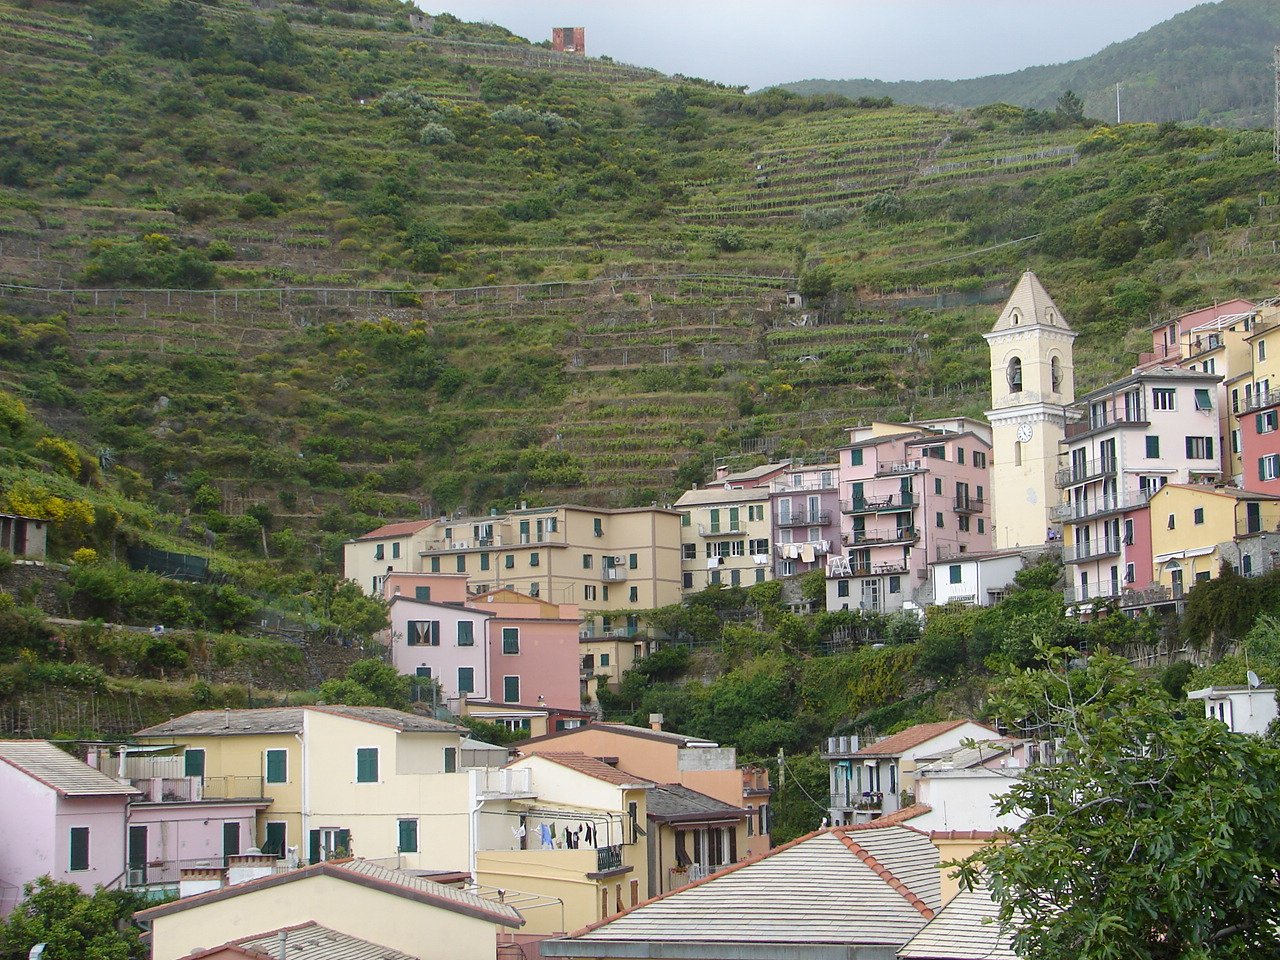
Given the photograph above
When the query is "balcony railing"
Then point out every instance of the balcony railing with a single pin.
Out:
(496, 783)
(188, 789)
(719, 529)
(609, 858)
(888, 467)
(804, 518)
(873, 537)
(1092, 550)
(970, 504)
(1077, 510)
(840, 747)
(1103, 591)
(1086, 471)
(613, 574)
(1263, 398)
(885, 504)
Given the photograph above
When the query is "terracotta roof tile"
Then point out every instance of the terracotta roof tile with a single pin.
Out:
(402, 529)
(903, 741)
(594, 767)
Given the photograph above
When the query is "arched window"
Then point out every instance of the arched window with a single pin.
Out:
(1015, 375)
(1055, 374)
(1016, 317)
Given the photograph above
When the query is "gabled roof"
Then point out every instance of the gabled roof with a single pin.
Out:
(594, 767)
(1030, 304)
(718, 494)
(439, 604)
(913, 737)
(361, 873)
(265, 720)
(61, 772)
(965, 758)
(761, 472)
(625, 730)
(871, 884)
(965, 929)
(305, 941)
(673, 803)
(404, 528)
(508, 595)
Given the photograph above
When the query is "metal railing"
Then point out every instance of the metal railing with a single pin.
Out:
(897, 501)
(609, 858)
(871, 537)
(887, 467)
(719, 529)
(188, 789)
(804, 518)
(970, 504)
(502, 782)
(1263, 398)
(1086, 471)
(1105, 590)
(1077, 510)
(841, 746)
(1109, 546)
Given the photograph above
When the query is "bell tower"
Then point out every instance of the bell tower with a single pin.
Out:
(1032, 386)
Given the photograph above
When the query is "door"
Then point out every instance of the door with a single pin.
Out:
(1253, 517)
(857, 496)
(815, 508)
(231, 839)
(1107, 455)
(1175, 579)
(329, 842)
(137, 856)
(870, 595)
(275, 839)
(784, 510)
(904, 489)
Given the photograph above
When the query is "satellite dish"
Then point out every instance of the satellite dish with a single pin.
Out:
(1254, 682)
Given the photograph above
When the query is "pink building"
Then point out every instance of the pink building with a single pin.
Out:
(1168, 339)
(500, 647)
(438, 587)
(910, 494)
(805, 506)
(62, 818)
(1260, 443)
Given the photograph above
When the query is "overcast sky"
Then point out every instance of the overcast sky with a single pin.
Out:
(761, 42)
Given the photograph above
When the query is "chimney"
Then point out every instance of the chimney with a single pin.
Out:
(203, 878)
(282, 945)
(655, 722)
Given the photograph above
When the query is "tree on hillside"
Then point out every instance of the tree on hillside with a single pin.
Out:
(1154, 836)
(1070, 107)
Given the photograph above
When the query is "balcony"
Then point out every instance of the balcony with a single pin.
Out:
(502, 784)
(1085, 471)
(608, 858)
(886, 504)
(196, 789)
(888, 468)
(1128, 598)
(839, 748)
(803, 518)
(1092, 550)
(970, 504)
(613, 574)
(720, 529)
(1261, 399)
(867, 538)
(1078, 510)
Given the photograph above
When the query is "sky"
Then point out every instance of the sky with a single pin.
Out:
(763, 42)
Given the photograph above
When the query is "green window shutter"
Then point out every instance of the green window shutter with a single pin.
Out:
(715, 520)
(193, 763)
(685, 519)
(484, 561)
(395, 551)
(466, 633)
(435, 564)
(366, 765)
(450, 759)
(955, 573)
(509, 561)
(734, 517)
(855, 457)
(633, 561)
(435, 633)
(466, 680)
(79, 848)
(313, 846)
(342, 843)
(378, 553)
(510, 639)
(462, 563)
(1208, 448)
(231, 839)
(277, 766)
(275, 839)
(1259, 423)
(511, 689)
(408, 840)
(422, 593)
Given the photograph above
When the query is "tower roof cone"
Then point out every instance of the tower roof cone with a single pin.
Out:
(1028, 305)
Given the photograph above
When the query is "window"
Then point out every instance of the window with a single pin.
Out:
(842, 588)
(688, 551)
(1199, 448)
(955, 573)
(634, 595)
(1203, 400)
(366, 764)
(1055, 374)
(533, 559)
(979, 458)
(737, 548)
(422, 593)
(604, 594)
(755, 511)
(484, 561)
(79, 848)
(1262, 349)
(466, 680)
(1153, 448)
(379, 552)
(424, 672)
(407, 837)
(1235, 441)
(937, 485)
(759, 574)
(1162, 398)
(1128, 533)
(274, 842)
(193, 763)
(597, 525)
(435, 564)
(962, 523)
(1266, 421)
(277, 764)
(759, 547)
(466, 633)
(231, 839)
(461, 561)
(960, 455)
(982, 525)
(1130, 573)
(633, 561)
(604, 659)
(1173, 523)
(937, 520)
(423, 633)
(685, 520)
(1197, 515)
(686, 581)
(510, 689)
(450, 759)
(510, 639)
(586, 561)
(1269, 467)
(895, 584)
(714, 577)
(1014, 375)
(589, 592)
(855, 457)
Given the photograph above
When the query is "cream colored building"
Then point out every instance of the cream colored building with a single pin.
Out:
(385, 907)
(1032, 385)
(1195, 528)
(724, 536)
(367, 781)
(618, 561)
(392, 548)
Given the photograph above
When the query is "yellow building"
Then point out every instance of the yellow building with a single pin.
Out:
(394, 547)
(581, 841)
(619, 561)
(724, 535)
(389, 908)
(605, 658)
(692, 836)
(371, 781)
(1195, 528)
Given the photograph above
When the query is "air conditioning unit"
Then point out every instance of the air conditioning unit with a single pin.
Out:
(618, 560)
(462, 545)
(137, 878)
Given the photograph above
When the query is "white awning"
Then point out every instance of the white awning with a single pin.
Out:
(1184, 554)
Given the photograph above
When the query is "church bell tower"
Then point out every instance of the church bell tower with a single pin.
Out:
(1032, 386)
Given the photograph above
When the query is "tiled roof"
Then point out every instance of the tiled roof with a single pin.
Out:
(229, 723)
(363, 873)
(965, 758)
(672, 801)
(403, 529)
(1033, 304)
(596, 768)
(718, 494)
(965, 929)
(911, 737)
(60, 771)
(872, 884)
(307, 941)
(626, 730)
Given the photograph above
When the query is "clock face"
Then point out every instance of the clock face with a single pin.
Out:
(1024, 433)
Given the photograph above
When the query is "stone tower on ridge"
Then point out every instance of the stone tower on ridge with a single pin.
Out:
(1032, 386)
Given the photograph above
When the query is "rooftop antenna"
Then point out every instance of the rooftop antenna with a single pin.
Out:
(1254, 682)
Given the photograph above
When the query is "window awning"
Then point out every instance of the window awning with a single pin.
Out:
(1184, 554)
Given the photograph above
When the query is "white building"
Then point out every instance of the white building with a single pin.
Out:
(1243, 709)
(978, 579)
(961, 786)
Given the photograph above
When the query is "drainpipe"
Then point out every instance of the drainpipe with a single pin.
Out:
(304, 842)
(473, 820)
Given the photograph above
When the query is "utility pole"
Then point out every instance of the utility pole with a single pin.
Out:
(1117, 103)
(782, 769)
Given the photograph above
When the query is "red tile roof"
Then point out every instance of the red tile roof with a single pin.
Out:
(911, 737)
(402, 529)
(594, 767)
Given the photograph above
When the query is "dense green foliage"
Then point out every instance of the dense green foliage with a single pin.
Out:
(1211, 64)
(73, 925)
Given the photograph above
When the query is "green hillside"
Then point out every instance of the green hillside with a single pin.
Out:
(1210, 65)
(304, 267)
